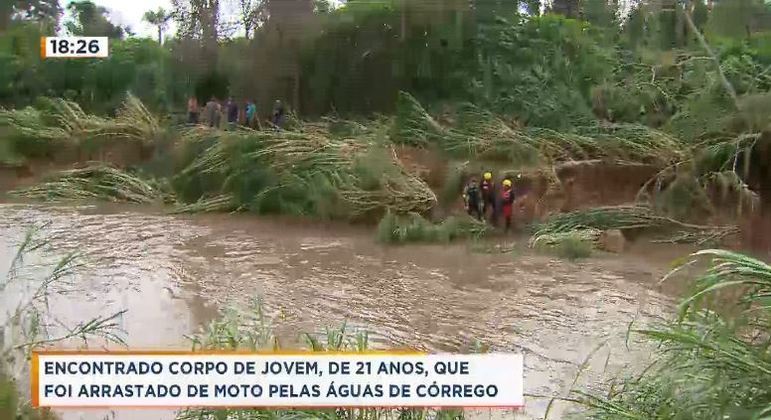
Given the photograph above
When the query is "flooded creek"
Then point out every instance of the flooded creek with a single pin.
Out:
(173, 273)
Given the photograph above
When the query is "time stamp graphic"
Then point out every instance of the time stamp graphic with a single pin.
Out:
(74, 47)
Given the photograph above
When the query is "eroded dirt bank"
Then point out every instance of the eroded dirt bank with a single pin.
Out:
(172, 274)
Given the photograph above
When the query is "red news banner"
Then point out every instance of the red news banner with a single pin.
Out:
(183, 379)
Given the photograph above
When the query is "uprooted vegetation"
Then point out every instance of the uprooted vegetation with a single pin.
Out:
(306, 172)
(346, 170)
(56, 125)
(96, 182)
(588, 225)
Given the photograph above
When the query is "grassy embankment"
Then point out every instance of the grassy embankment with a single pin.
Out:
(333, 169)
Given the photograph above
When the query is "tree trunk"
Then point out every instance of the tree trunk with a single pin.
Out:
(296, 93)
(404, 20)
(160, 35)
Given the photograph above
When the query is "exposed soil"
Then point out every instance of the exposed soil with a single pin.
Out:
(118, 153)
(593, 183)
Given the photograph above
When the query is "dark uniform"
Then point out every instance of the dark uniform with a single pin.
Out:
(473, 199)
(488, 199)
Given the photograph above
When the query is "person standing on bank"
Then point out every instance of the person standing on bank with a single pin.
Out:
(192, 110)
(277, 118)
(251, 113)
(488, 197)
(212, 112)
(473, 199)
(507, 202)
(232, 111)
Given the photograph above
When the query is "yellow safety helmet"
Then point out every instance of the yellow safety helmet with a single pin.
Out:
(488, 176)
(507, 182)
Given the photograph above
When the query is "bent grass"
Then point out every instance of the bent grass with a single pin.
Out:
(708, 365)
(30, 325)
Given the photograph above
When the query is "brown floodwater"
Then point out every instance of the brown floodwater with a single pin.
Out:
(173, 273)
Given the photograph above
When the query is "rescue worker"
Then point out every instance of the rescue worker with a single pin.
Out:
(488, 197)
(507, 202)
(473, 199)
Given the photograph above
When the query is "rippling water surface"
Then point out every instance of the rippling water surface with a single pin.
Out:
(173, 273)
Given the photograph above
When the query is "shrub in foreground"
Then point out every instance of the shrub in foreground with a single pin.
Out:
(707, 365)
(412, 227)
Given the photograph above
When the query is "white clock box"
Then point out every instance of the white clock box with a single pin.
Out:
(74, 47)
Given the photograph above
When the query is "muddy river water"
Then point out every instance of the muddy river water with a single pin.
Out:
(173, 273)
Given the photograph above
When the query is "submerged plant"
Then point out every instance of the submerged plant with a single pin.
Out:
(30, 325)
(571, 245)
(412, 227)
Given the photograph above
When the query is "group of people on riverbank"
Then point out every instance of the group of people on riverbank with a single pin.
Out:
(487, 200)
(216, 112)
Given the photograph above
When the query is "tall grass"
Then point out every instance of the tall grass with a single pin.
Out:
(572, 245)
(480, 133)
(97, 182)
(55, 124)
(301, 173)
(588, 222)
(28, 325)
(708, 364)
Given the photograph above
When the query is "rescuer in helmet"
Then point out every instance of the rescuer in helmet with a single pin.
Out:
(507, 202)
(487, 187)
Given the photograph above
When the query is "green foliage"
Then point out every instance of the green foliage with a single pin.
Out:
(94, 183)
(10, 403)
(601, 13)
(541, 70)
(707, 364)
(739, 18)
(684, 199)
(307, 172)
(91, 20)
(31, 325)
(58, 126)
(99, 85)
(412, 227)
(572, 246)
(159, 18)
(589, 223)
(482, 134)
